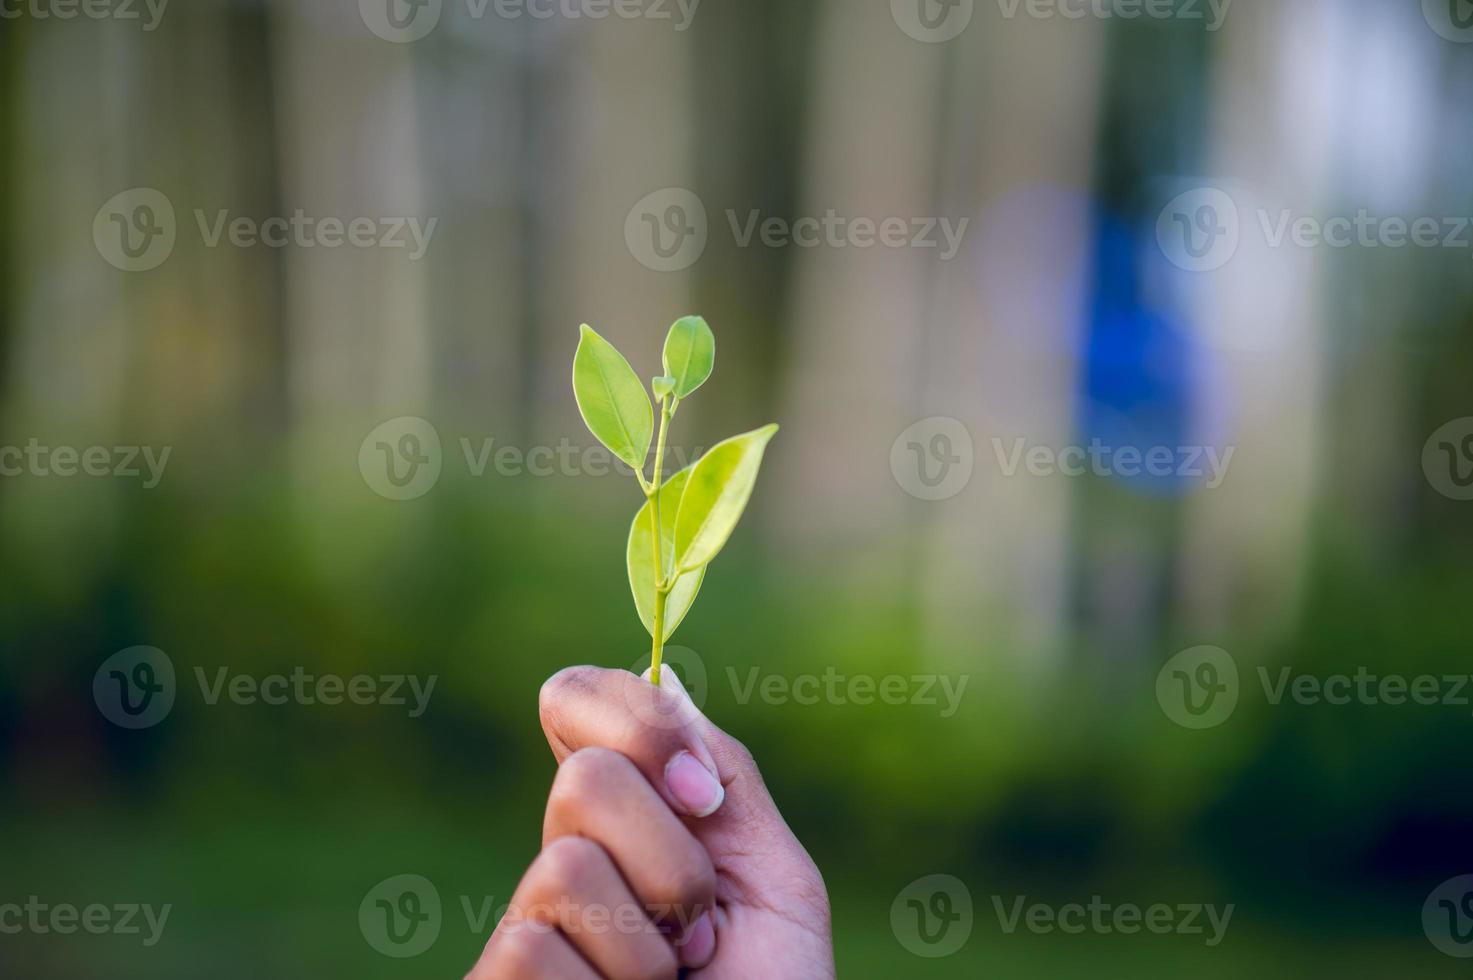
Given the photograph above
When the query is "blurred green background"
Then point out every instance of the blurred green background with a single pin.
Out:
(1065, 316)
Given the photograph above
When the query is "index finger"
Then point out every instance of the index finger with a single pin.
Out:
(659, 729)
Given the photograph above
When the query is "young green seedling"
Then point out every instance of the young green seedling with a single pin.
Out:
(687, 519)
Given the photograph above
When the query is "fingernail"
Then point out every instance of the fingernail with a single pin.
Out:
(696, 949)
(693, 786)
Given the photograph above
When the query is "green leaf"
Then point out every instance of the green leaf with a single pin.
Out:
(690, 353)
(611, 399)
(715, 496)
(662, 387)
(641, 559)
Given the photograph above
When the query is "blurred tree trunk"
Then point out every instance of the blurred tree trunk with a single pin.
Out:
(884, 338)
(615, 127)
(1267, 316)
(11, 41)
(1019, 140)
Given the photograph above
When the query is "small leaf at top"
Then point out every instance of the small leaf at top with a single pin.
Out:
(641, 560)
(611, 399)
(690, 353)
(662, 387)
(715, 496)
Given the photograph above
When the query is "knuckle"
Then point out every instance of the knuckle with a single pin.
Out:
(653, 745)
(740, 754)
(508, 954)
(587, 776)
(519, 955)
(688, 884)
(567, 864)
(734, 756)
(558, 689)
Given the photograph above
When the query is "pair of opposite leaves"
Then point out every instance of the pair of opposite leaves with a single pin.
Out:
(700, 505)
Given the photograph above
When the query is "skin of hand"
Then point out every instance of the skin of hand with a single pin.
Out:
(663, 854)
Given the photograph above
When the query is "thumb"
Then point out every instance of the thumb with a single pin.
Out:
(748, 807)
(757, 855)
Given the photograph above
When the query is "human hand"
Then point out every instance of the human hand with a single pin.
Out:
(662, 850)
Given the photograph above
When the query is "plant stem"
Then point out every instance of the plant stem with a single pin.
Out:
(662, 587)
(659, 647)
